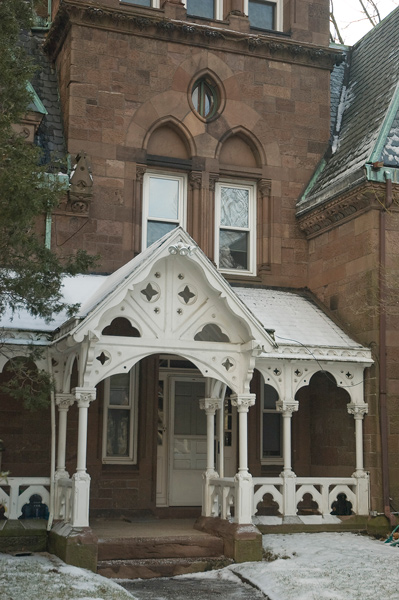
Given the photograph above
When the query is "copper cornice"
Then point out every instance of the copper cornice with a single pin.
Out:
(144, 23)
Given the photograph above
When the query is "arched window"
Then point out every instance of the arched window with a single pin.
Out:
(205, 98)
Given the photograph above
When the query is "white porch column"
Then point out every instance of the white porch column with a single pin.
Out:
(244, 485)
(287, 408)
(362, 488)
(210, 405)
(81, 479)
(64, 402)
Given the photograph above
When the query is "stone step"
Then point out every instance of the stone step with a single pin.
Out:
(189, 546)
(164, 567)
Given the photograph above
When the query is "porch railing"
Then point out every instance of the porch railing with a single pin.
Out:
(63, 500)
(288, 493)
(15, 492)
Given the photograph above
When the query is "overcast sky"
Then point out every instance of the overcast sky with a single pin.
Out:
(352, 22)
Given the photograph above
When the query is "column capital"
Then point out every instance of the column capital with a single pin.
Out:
(357, 410)
(64, 401)
(243, 401)
(210, 405)
(84, 396)
(287, 407)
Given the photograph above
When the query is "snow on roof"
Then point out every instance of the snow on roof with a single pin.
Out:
(75, 291)
(295, 318)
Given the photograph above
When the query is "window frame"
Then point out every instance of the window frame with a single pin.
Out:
(153, 3)
(131, 459)
(182, 201)
(278, 17)
(218, 11)
(270, 460)
(251, 229)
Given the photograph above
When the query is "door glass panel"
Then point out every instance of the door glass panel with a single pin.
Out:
(189, 443)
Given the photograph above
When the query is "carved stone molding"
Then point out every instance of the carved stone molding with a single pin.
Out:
(329, 214)
(80, 191)
(195, 179)
(139, 21)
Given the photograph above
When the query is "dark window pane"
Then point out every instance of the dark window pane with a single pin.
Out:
(139, 2)
(233, 250)
(261, 14)
(201, 8)
(271, 442)
(270, 397)
(118, 432)
(157, 230)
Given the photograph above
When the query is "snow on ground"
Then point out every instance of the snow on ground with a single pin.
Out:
(300, 566)
(325, 566)
(45, 577)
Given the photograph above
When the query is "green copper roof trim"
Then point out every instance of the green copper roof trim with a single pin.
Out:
(386, 127)
(36, 105)
(311, 183)
(380, 175)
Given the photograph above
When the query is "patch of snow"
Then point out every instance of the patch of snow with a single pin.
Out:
(325, 566)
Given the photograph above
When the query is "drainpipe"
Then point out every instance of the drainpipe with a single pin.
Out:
(47, 239)
(383, 351)
(52, 463)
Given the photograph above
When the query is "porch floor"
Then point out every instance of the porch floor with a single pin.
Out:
(148, 528)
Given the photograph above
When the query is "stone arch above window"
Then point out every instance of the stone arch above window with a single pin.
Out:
(121, 327)
(211, 333)
(169, 138)
(240, 148)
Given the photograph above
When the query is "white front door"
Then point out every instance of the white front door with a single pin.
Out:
(187, 451)
(181, 458)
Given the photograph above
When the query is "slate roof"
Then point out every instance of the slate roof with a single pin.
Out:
(295, 318)
(367, 91)
(50, 135)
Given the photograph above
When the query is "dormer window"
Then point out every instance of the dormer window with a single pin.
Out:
(264, 14)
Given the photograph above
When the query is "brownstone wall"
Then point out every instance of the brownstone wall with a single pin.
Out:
(344, 273)
(117, 85)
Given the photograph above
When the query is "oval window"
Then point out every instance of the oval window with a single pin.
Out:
(205, 98)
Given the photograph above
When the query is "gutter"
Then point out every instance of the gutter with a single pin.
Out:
(383, 353)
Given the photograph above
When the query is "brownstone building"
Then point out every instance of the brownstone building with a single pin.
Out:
(224, 275)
